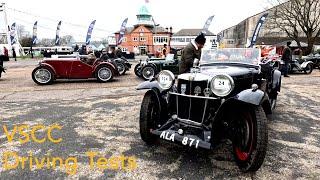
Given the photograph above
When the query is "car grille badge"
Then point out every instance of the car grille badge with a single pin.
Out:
(207, 92)
(197, 90)
(183, 88)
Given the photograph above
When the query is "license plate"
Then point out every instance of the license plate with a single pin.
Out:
(186, 141)
(164, 79)
(221, 84)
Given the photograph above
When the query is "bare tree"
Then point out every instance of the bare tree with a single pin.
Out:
(26, 41)
(67, 40)
(21, 32)
(297, 18)
(46, 42)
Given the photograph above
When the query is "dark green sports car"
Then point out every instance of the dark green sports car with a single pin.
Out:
(147, 69)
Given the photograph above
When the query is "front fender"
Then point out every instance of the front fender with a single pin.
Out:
(150, 85)
(49, 66)
(113, 68)
(304, 64)
(255, 98)
(276, 83)
(247, 98)
(251, 97)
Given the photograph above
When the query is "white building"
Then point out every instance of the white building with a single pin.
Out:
(184, 36)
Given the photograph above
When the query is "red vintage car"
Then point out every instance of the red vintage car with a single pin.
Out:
(73, 67)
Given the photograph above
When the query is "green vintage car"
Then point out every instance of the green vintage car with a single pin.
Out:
(148, 68)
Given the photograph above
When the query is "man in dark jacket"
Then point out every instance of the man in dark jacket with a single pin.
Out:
(287, 57)
(190, 52)
(118, 52)
(14, 55)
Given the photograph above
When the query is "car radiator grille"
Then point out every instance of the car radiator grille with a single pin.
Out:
(192, 108)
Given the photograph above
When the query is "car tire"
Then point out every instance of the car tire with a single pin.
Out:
(104, 73)
(121, 68)
(250, 152)
(148, 72)
(273, 100)
(42, 75)
(308, 69)
(149, 115)
(137, 70)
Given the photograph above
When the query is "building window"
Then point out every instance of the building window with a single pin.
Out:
(230, 42)
(143, 39)
(135, 38)
(160, 40)
(124, 49)
(181, 39)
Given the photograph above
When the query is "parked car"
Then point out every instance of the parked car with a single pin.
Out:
(70, 67)
(152, 66)
(227, 97)
(122, 63)
(297, 65)
(315, 59)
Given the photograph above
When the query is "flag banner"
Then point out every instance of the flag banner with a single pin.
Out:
(57, 42)
(34, 36)
(122, 31)
(206, 25)
(219, 37)
(89, 33)
(13, 34)
(257, 30)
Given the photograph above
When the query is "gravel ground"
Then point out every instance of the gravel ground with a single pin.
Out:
(103, 117)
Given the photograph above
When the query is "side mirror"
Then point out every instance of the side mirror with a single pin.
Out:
(196, 62)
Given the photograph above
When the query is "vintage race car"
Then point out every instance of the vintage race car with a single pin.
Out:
(149, 68)
(314, 58)
(69, 67)
(297, 65)
(227, 97)
(122, 63)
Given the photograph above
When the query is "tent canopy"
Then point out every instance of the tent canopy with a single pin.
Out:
(101, 47)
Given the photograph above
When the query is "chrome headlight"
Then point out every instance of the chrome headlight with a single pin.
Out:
(165, 79)
(222, 85)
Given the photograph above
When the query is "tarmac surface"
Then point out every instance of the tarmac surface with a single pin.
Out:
(103, 117)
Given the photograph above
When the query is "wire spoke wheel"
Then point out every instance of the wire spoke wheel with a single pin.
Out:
(148, 72)
(42, 76)
(104, 74)
(121, 68)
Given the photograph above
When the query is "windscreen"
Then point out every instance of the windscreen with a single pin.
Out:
(234, 55)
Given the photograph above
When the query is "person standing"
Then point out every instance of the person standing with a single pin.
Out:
(287, 58)
(31, 52)
(14, 55)
(118, 52)
(191, 52)
(6, 53)
(83, 50)
(76, 48)
(164, 51)
(112, 53)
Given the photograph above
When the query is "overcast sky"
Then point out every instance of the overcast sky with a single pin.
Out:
(76, 15)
